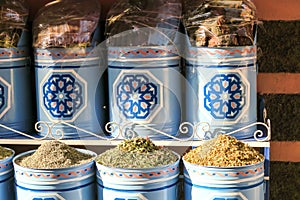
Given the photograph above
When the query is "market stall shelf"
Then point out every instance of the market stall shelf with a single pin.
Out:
(188, 134)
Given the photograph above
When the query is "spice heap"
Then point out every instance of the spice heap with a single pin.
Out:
(223, 151)
(5, 153)
(13, 17)
(53, 155)
(137, 153)
(217, 23)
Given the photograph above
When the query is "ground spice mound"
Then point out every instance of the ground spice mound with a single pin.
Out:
(137, 153)
(53, 155)
(223, 151)
(5, 153)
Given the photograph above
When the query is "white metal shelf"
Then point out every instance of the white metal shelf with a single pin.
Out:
(188, 134)
(115, 142)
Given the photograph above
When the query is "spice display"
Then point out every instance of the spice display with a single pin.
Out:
(66, 24)
(13, 17)
(219, 23)
(137, 153)
(53, 155)
(5, 153)
(223, 151)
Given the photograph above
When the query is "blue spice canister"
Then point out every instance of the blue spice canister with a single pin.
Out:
(138, 184)
(15, 91)
(145, 88)
(7, 190)
(67, 183)
(216, 183)
(222, 88)
(70, 89)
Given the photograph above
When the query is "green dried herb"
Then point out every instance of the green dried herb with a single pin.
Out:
(138, 145)
(137, 153)
(53, 155)
(5, 153)
(224, 151)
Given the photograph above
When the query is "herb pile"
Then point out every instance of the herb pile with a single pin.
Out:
(223, 151)
(53, 155)
(137, 153)
(5, 153)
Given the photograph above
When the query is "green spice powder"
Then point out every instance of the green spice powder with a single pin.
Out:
(53, 155)
(5, 153)
(137, 153)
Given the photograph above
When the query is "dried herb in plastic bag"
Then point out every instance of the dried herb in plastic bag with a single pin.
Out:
(67, 24)
(220, 23)
(143, 22)
(13, 19)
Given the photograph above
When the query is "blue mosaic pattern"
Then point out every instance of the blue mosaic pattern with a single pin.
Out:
(136, 96)
(223, 96)
(2, 97)
(62, 95)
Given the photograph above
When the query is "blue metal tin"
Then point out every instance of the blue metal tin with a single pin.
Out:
(145, 87)
(7, 190)
(138, 184)
(67, 183)
(70, 89)
(222, 88)
(216, 183)
(15, 91)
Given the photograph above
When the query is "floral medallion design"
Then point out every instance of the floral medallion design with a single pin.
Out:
(5, 97)
(136, 96)
(63, 95)
(2, 97)
(224, 96)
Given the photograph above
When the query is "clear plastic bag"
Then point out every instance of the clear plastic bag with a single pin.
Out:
(143, 22)
(67, 24)
(220, 23)
(13, 19)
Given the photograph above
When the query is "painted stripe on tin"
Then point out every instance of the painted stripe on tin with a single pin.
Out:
(13, 59)
(143, 59)
(14, 67)
(220, 66)
(147, 67)
(67, 60)
(56, 190)
(150, 190)
(223, 188)
(7, 179)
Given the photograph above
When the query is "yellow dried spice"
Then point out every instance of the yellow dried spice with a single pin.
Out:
(5, 153)
(224, 151)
